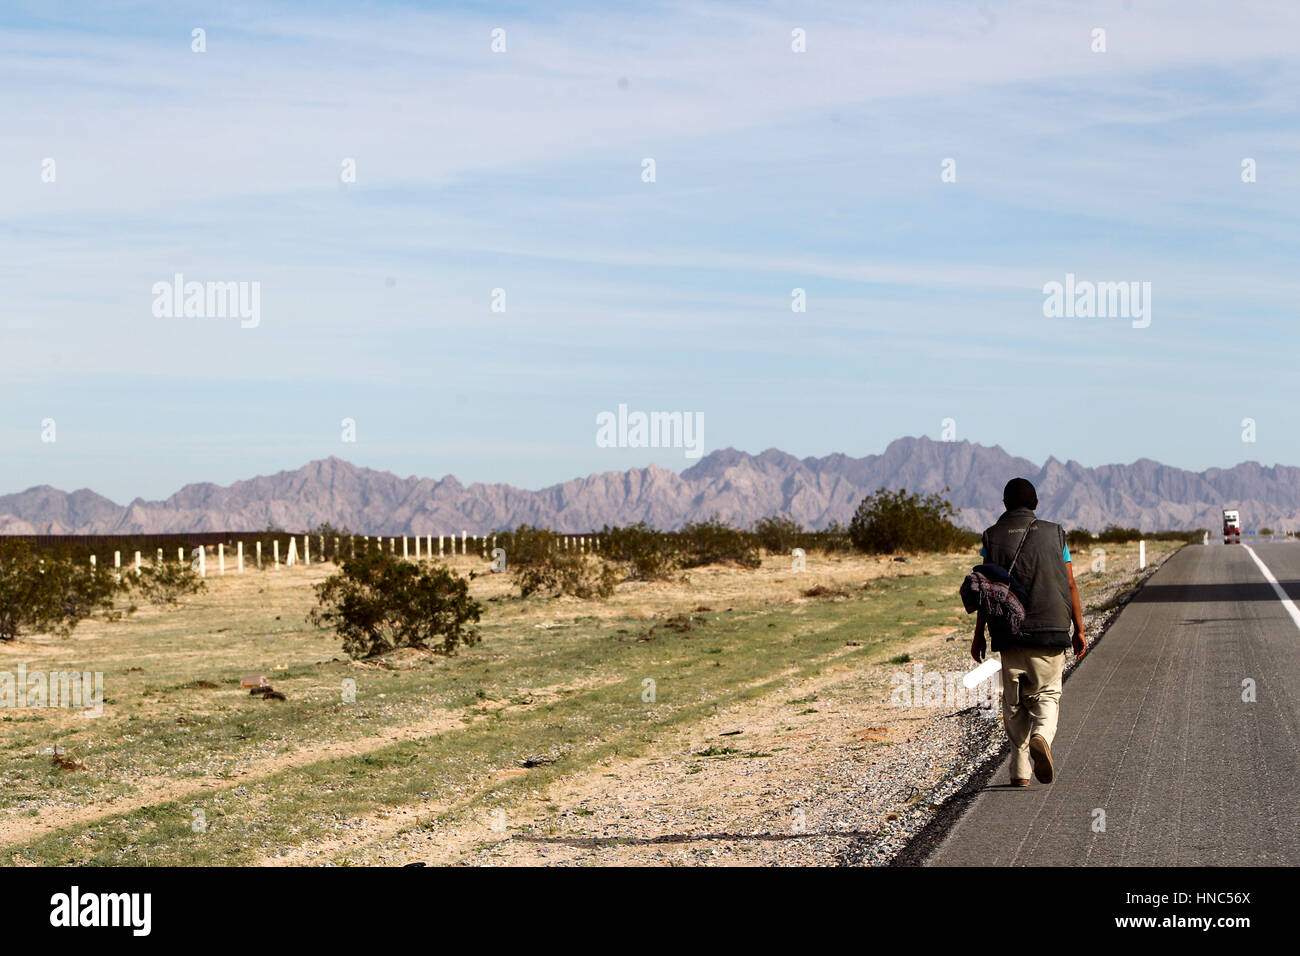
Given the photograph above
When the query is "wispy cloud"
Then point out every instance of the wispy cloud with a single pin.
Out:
(521, 171)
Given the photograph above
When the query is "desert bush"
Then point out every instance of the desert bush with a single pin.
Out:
(1081, 538)
(716, 542)
(538, 562)
(833, 539)
(51, 594)
(646, 554)
(165, 583)
(567, 572)
(378, 603)
(1114, 534)
(80, 590)
(329, 534)
(1077, 538)
(527, 546)
(778, 534)
(25, 598)
(891, 521)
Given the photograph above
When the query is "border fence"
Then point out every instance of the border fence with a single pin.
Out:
(233, 552)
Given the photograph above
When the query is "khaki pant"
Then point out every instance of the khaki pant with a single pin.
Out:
(1031, 696)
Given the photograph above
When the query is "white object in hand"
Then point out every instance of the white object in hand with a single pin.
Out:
(982, 673)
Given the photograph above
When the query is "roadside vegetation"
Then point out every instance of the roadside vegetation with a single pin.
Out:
(39, 593)
(1114, 534)
(893, 521)
(378, 603)
(580, 654)
(553, 688)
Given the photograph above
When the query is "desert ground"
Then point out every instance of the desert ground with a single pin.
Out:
(725, 717)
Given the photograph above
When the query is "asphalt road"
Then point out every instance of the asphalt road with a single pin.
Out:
(1154, 734)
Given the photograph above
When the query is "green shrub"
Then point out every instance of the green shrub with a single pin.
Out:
(1078, 538)
(378, 603)
(646, 554)
(892, 521)
(1114, 534)
(716, 542)
(834, 538)
(527, 546)
(52, 594)
(323, 537)
(164, 583)
(80, 589)
(778, 534)
(538, 562)
(567, 572)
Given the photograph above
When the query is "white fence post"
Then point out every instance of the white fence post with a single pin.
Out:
(464, 537)
(275, 549)
(239, 557)
(259, 555)
(221, 559)
(406, 551)
(137, 563)
(1142, 555)
(306, 549)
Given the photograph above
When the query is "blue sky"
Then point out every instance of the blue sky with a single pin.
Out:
(521, 170)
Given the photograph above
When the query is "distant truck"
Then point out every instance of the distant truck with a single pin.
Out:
(1231, 527)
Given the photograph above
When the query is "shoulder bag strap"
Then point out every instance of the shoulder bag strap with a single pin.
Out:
(1028, 528)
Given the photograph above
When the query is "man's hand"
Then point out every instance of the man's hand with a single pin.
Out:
(1078, 642)
(977, 648)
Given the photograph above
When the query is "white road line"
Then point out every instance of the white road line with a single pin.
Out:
(1281, 595)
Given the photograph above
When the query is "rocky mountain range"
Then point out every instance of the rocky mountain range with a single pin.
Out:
(736, 486)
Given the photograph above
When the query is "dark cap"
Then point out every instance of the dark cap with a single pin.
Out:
(1020, 493)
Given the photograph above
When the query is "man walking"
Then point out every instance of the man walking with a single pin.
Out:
(1033, 660)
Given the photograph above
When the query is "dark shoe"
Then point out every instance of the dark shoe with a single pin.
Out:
(1041, 754)
(1017, 782)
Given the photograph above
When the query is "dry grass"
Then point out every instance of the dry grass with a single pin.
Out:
(424, 738)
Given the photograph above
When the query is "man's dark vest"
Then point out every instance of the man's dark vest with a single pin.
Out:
(1041, 569)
